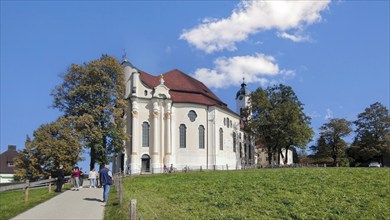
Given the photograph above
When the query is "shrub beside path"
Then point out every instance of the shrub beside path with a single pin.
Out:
(83, 204)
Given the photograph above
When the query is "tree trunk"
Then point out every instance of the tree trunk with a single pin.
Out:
(286, 158)
(270, 157)
(93, 158)
(334, 156)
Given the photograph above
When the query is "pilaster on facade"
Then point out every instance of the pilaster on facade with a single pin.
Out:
(156, 143)
(212, 145)
(174, 141)
(168, 146)
(134, 166)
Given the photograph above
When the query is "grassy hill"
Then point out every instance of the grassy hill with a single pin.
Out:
(317, 193)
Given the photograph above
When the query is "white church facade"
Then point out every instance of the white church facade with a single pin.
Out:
(175, 119)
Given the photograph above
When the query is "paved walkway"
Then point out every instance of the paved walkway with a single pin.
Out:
(83, 204)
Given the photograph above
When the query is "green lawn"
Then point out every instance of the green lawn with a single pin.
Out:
(317, 193)
(12, 202)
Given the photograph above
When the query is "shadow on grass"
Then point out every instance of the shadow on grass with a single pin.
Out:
(115, 204)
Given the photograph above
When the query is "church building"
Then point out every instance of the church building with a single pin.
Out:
(174, 119)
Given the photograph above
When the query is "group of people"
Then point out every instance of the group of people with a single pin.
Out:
(170, 170)
(104, 177)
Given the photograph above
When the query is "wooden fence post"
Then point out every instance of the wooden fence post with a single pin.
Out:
(26, 191)
(227, 167)
(120, 190)
(50, 184)
(133, 209)
(117, 181)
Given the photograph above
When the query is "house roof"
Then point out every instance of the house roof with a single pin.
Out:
(5, 158)
(184, 89)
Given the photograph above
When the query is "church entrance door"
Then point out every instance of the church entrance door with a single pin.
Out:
(145, 163)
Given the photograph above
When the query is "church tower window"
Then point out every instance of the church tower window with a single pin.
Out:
(183, 134)
(201, 137)
(221, 139)
(145, 134)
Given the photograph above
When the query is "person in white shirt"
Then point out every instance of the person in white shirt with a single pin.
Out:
(92, 178)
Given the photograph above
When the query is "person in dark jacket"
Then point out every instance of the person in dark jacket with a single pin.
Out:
(60, 178)
(106, 181)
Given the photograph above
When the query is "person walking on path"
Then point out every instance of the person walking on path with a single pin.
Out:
(106, 180)
(92, 178)
(60, 178)
(100, 176)
(75, 176)
(97, 179)
(81, 178)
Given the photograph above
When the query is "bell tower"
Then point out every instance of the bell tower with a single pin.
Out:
(242, 98)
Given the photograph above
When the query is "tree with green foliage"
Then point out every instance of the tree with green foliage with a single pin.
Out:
(372, 140)
(53, 144)
(321, 152)
(278, 120)
(93, 94)
(331, 143)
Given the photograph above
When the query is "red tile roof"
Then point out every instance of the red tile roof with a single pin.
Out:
(184, 88)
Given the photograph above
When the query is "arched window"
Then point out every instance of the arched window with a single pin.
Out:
(234, 141)
(145, 134)
(201, 136)
(183, 134)
(240, 150)
(221, 139)
(227, 122)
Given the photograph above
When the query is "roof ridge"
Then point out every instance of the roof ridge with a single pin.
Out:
(201, 93)
(200, 82)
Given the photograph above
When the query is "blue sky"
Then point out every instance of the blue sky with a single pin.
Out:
(335, 55)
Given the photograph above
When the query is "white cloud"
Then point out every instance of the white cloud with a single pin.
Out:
(259, 42)
(229, 71)
(329, 114)
(297, 37)
(250, 17)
